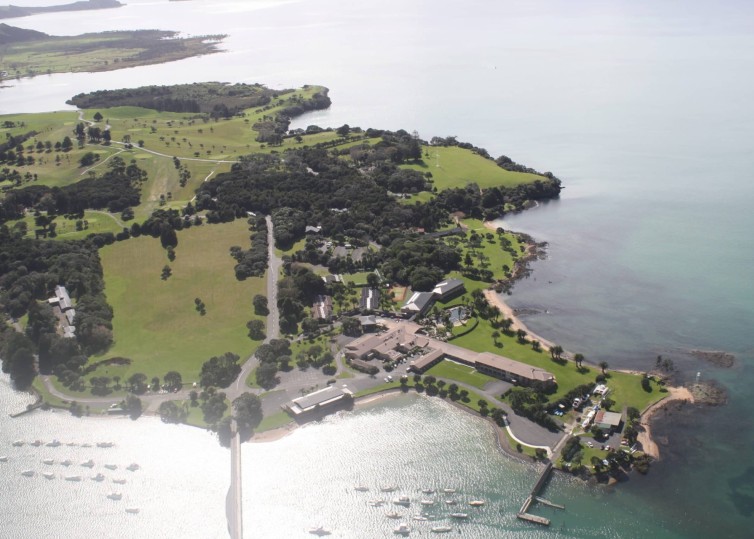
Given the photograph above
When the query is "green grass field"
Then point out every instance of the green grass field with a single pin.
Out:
(456, 167)
(156, 323)
(461, 373)
(274, 421)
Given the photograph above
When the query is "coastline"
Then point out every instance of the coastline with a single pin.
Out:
(494, 299)
(675, 394)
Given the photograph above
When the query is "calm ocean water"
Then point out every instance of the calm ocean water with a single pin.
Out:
(641, 107)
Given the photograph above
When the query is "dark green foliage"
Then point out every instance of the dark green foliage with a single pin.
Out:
(260, 305)
(247, 410)
(214, 408)
(571, 447)
(256, 330)
(530, 403)
(17, 352)
(253, 263)
(173, 380)
(220, 371)
(266, 375)
(170, 412)
(132, 404)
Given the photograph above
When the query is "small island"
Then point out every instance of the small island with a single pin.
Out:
(181, 251)
(11, 11)
(28, 53)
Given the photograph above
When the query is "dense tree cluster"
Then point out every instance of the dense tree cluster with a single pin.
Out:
(418, 261)
(115, 189)
(272, 356)
(531, 403)
(220, 371)
(252, 262)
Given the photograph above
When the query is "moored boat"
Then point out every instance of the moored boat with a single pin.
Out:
(66, 462)
(27, 473)
(132, 467)
(119, 481)
(4, 459)
(36, 443)
(427, 502)
(376, 503)
(388, 488)
(476, 503)
(18, 443)
(319, 530)
(89, 463)
(402, 529)
(428, 490)
(54, 443)
(361, 488)
(73, 478)
(441, 529)
(459, 515)
(99, 477)
(111, 466)
(402, 500)
(105, 444)
(132, 510)
(393, 514)
(115, 496)
(49, 475)
(451, 502)
(420, 518)
(449, 490)
(48, 461)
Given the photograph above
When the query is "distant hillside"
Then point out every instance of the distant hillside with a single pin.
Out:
(8, 12)
(12, 34)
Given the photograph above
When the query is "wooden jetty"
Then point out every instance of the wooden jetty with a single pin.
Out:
(523, 513)
(31, 408)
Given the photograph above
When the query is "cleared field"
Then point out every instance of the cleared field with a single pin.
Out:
(156, 323)
(455, 167)
(460, 373)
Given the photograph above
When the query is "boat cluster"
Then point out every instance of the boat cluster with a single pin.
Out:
(426, 502)
(58, 443)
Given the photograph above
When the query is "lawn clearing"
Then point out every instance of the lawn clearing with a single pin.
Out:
(460, 373)
(156, 323)
(456, 167)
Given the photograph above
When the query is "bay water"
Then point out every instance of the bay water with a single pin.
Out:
(641, 107)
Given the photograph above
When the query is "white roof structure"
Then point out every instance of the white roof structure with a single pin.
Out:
(321, 398)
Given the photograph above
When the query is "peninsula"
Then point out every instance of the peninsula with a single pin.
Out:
(182, 251)
(11, 11)
(27, 53)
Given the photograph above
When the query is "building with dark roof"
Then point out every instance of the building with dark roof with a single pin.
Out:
(322, 308)
(449, 288)
(418, 303)
(370, 299)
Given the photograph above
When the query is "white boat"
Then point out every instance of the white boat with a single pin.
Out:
(3, 459)
(48, 461)
(428, 491)
(427, 502)
(105, 444)
(476, 503)
(27, 473)
(451, 502)
(98, 477)
(402, 529)
(49, 475)
(66, 462)
(402, 500)
(361, 488)
(376, 503)
(449, 490)
(71, 444)
(441, 529)
(89, 463)
(393, 514)
(132, 510)
(35, 443)
(459, 515)
(420, 518)
(132, 467)
(319, 530)
(111, 466)
(389, 488)
(115, 496)
(86, 445)
(119, 481)
(54, 443)
(73, 478)
(18, 443)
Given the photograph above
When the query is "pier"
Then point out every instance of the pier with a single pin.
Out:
(523, 513)
(31, 408)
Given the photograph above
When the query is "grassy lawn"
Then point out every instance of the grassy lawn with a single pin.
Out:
(423, 196)
(527, 450)
(156, 324)
(456, 167)
(461, 373)
(625, 388)
(298, 246)
(274, 421)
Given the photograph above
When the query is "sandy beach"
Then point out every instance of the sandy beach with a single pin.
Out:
(494, 299)
(645, 436)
